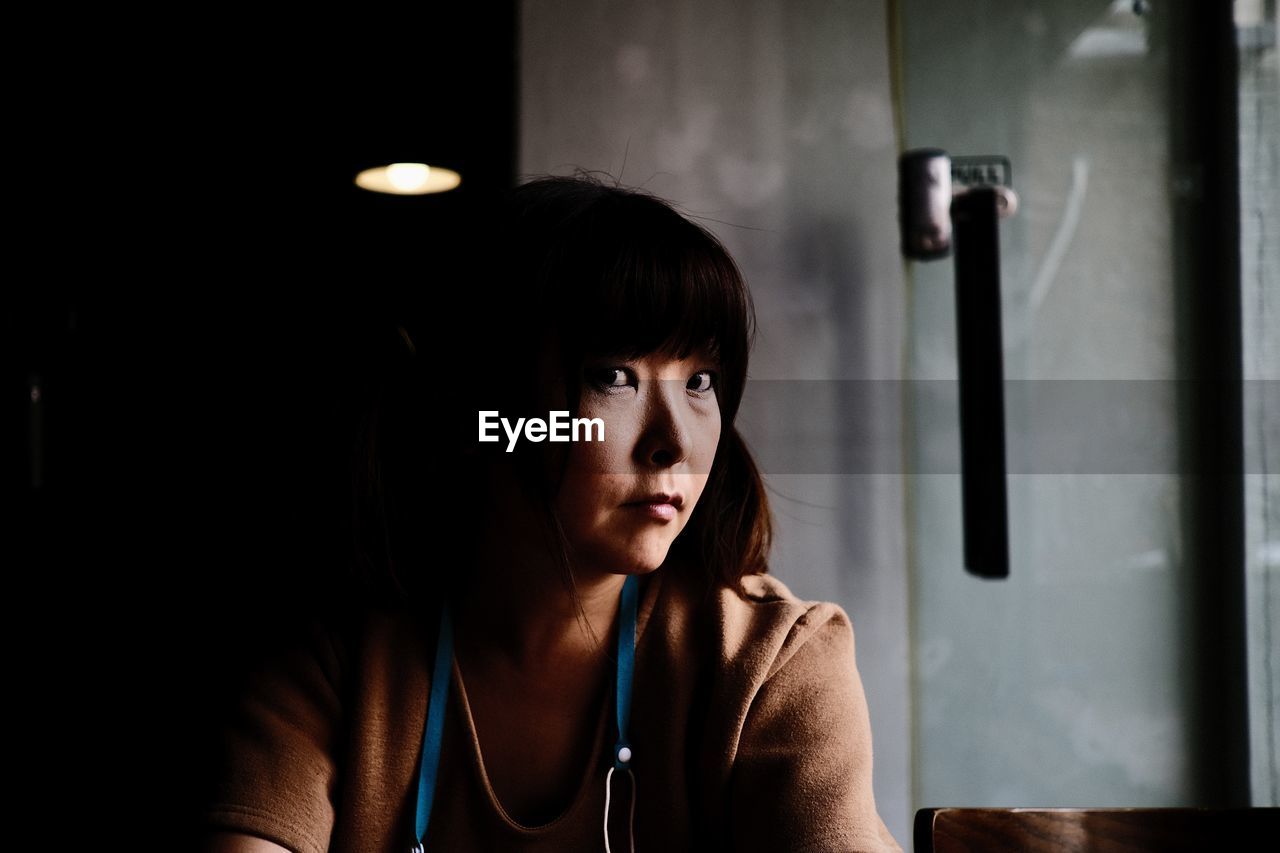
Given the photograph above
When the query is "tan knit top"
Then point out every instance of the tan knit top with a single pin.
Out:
(748, 724)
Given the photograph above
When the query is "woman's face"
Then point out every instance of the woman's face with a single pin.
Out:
(624, 500)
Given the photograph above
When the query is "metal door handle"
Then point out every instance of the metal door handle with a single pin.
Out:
(936, 221)
(975, 217)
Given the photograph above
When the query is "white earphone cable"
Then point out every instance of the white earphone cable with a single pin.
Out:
(608, 790)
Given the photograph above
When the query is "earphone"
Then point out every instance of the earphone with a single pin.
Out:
(433, 734)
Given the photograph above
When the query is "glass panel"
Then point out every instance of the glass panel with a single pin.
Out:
(1061, 685)
(1257, 35)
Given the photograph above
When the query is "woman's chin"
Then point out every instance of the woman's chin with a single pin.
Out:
(653, 556)
(634, 556)
(644, 560)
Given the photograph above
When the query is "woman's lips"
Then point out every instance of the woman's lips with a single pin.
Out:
(656, 511)
(660, 506)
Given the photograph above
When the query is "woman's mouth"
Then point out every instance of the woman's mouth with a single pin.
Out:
(658, 512)
(659, 506)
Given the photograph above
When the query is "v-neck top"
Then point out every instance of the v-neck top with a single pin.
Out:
(593, 773)
(748, 724)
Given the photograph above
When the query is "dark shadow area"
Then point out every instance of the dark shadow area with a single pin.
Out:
(186, 374)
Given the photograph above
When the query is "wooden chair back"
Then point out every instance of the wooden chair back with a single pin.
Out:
(952, 830)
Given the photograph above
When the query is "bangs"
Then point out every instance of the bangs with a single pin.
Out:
(672, 300)
(642, 279)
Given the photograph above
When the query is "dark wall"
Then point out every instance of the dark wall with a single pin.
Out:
(205, 324)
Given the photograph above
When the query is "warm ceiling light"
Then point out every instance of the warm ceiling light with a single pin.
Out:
(408, 179)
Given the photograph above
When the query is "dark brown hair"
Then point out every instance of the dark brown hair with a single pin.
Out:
(569, 268)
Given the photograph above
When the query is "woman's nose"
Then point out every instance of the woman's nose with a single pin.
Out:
(665, 439)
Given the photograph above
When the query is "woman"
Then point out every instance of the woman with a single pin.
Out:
(601, 662)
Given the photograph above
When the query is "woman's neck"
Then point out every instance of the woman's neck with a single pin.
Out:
(514, 611)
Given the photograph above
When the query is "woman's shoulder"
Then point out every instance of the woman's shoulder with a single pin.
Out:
(761, 628)
(341, 636)
(769, 618)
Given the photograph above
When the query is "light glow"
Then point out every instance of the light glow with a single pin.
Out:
(408, 179)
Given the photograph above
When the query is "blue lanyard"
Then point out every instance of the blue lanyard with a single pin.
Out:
(434, 734)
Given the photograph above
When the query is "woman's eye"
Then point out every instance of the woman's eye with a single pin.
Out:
(611, 377)
(702, 382)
